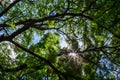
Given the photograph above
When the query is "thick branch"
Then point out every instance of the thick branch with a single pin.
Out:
(39, 57)
(4, 38)
(9, 7)
(42, 28)
(19, 31)
(52, 17)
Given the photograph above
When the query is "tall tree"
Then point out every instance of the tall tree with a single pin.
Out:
(33, 35)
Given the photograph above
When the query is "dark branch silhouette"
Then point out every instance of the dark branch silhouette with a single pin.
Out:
(8, 8)
(39, 57)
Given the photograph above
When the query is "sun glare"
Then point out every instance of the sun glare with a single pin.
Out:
(73, 55)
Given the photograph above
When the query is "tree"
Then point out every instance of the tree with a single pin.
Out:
(32, 32)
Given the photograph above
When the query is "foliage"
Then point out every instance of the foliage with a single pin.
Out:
(32, 32)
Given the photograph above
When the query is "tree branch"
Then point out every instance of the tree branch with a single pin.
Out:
(16, 69)
(19, 31)
(4, 38)
(39, 57)
(52, 17)
(89, 6)
(8, 8)
(98, 48)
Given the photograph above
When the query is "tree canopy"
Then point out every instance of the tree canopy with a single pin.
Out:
(59, 40)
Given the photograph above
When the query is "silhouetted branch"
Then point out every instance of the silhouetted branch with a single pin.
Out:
(15, 69)
(8, 8)
(14, 34)
(52, 18)
(89, 6)
(19, 31)
(98, 48)
(39, 57)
